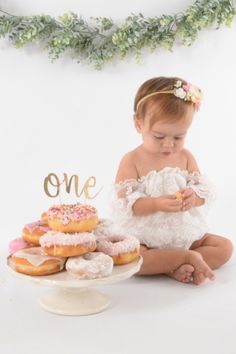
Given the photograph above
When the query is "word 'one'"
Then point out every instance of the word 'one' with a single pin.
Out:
(52, 185)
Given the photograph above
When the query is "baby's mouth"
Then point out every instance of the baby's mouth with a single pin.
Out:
(166, 152)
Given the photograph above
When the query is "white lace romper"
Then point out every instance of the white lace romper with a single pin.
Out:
(162, 229)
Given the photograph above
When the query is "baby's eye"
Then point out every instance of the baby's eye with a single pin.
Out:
(159, 137)
(178, 137)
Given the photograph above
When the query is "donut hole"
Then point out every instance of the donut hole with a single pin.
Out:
(88, 256)
(116, 239)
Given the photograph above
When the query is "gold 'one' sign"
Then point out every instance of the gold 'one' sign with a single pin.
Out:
(53, 181)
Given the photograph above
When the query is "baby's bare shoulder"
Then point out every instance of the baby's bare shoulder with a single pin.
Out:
(186, 154)
(192, 165)
(127, 169)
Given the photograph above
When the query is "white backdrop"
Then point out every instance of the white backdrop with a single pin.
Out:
(67, 117)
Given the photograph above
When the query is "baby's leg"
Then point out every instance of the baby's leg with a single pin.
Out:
(173, 263)
(159, 261)
(215, 250)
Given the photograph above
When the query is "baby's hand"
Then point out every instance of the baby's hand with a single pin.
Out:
(168, 203)
(190, 199)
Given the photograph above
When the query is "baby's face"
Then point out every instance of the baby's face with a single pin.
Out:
(165, 138)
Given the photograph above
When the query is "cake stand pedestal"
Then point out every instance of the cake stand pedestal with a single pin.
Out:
(75, 297)
(77, 302)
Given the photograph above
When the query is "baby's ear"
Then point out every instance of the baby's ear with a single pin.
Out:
(138, 124)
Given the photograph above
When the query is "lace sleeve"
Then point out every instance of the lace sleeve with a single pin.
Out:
(202, 186)
(126, 193)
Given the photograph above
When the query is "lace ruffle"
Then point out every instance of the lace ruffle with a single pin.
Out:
(126, 193)
(202, 186)
(163, 230)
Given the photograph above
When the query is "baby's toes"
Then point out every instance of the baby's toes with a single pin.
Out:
(182, 278)
(190, 275)
(187, 280)
(209, 274)
(186, 277)
(198, 278)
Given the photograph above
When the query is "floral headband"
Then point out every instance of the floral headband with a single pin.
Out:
(186, 92)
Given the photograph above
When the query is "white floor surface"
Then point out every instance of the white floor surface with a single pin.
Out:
(147, 315)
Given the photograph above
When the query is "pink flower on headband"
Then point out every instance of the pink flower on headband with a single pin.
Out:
(186, 87)
(188, 92)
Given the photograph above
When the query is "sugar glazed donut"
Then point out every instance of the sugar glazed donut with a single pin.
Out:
(32, 261)
(68, 244)
(72, 218)
(123, 249)
(90, 266)
(32, 232)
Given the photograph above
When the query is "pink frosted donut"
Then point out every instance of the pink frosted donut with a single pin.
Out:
(123, 249)
(72, 217)
(90, 266)
(33, 231)
(18, 244)
(60, 244)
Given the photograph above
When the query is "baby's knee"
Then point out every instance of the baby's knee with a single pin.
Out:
(147, 265)
(226, 249)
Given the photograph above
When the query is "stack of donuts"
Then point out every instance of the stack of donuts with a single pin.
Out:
(68, 237)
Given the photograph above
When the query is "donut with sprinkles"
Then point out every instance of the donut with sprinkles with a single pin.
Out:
(72, 218)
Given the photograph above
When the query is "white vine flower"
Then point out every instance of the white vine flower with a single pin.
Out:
(195, 93)
(179, 92)
(178, 83)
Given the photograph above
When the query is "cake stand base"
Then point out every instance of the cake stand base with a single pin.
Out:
(76, 297)
(74, 302)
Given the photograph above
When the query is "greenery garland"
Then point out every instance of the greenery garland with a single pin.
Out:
(102, 40)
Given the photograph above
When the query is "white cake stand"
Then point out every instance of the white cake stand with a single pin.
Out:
(74, 297)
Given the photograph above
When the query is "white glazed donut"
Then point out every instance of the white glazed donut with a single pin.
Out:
(90, 266)
(61, 244)
(123, 249)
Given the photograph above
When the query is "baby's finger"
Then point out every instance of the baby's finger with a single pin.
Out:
(187, 193)
(176, 202)
(186, 207)
(188, 200)
(175, 209)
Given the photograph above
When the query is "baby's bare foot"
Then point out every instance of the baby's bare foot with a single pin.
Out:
(183, 273)
(201, 269)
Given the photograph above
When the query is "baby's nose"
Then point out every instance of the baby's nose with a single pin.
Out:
(168, 142)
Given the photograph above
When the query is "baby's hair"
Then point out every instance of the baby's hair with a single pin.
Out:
(162, 105)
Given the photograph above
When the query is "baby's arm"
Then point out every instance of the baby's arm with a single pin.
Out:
(190, 198)
(144, 205)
